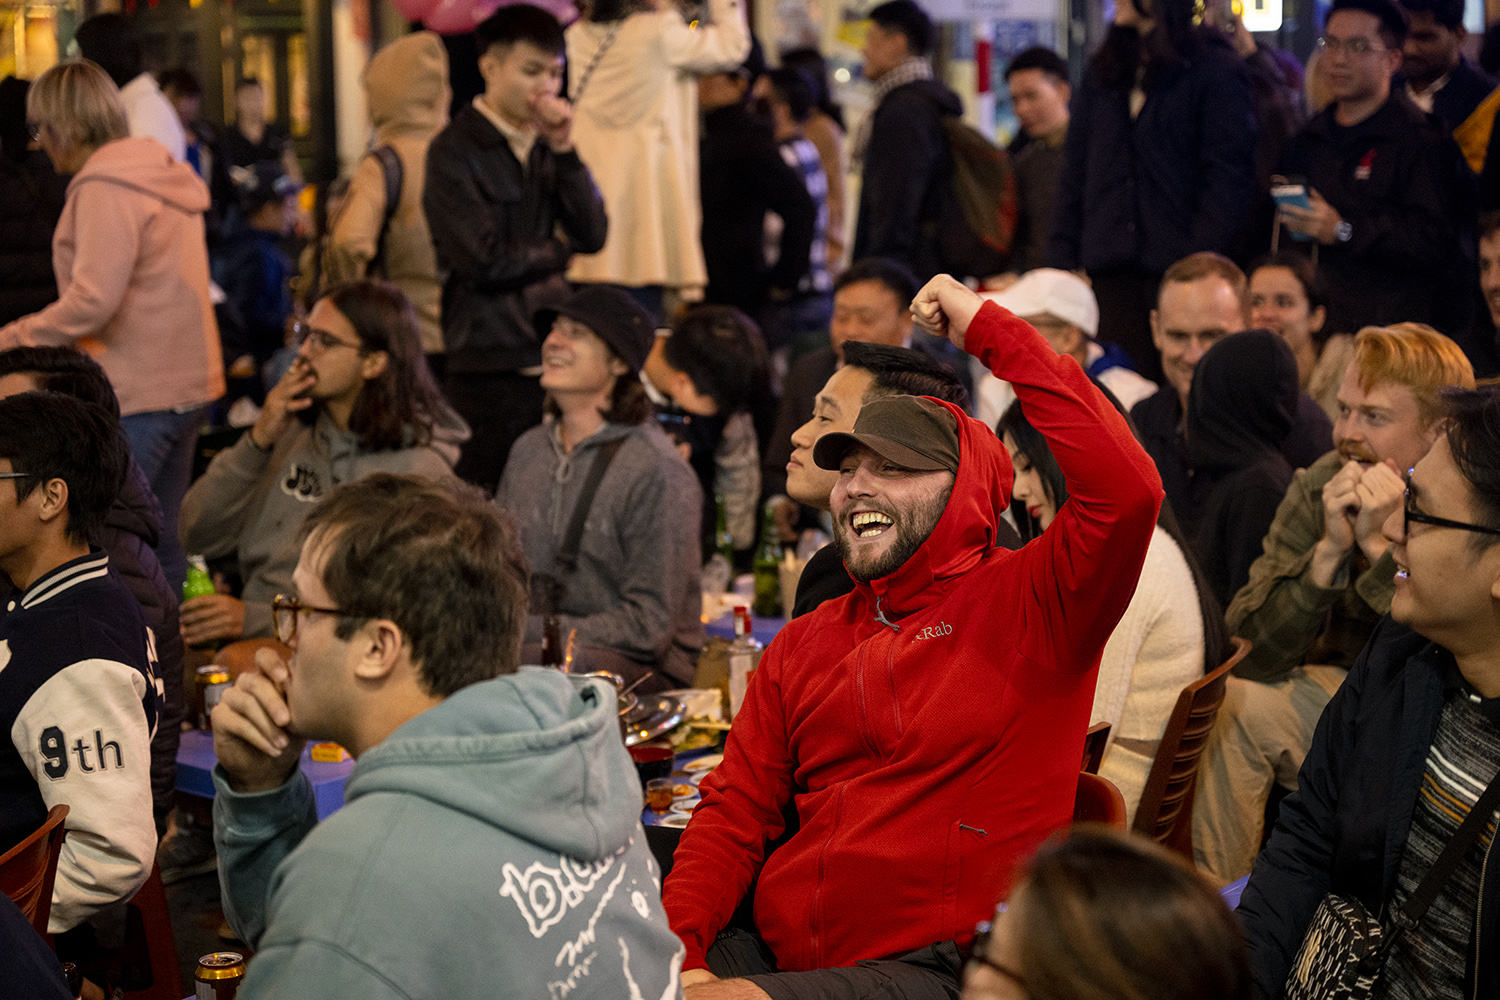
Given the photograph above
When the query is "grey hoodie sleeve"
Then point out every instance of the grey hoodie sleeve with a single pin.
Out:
(220, 504)
(253, 834)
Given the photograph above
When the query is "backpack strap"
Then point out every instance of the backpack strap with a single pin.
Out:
(390, 168)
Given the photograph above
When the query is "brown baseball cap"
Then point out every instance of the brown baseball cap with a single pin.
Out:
(914, 432)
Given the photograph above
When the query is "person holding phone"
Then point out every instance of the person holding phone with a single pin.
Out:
(1383, 183)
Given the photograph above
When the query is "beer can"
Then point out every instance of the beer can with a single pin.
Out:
(212, 681)
(219, 975)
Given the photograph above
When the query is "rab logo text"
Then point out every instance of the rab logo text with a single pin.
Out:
(933, 632)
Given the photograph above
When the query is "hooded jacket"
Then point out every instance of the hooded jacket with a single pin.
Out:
(406, 88)
(1241, 407)
(489, 847)
(251, 502)
(132, 277)
(635, 589)
(927, 728)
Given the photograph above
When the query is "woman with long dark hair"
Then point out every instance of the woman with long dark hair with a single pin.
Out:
(1171, 633)
(1159, 162)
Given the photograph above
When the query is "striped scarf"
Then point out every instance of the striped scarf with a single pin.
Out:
(913, 69)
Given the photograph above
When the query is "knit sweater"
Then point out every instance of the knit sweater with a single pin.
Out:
(1155, 651)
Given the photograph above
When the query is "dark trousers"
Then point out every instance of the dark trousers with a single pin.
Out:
(498, 407)
(1126, 297)
(931, 973)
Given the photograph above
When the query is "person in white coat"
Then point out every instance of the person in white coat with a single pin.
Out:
(636, 127)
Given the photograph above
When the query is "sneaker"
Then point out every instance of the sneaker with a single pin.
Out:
(185, 853)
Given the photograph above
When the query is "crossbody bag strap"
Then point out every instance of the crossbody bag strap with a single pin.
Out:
(1468, 831)
(609, 39)
(394, 177)
(567, 556)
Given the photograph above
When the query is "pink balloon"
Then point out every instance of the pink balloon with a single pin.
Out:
(454, 17)
(414, 10)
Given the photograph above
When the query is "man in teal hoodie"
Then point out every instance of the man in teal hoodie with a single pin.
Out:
(490, 842)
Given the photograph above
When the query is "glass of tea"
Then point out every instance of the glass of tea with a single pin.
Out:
(659, 794)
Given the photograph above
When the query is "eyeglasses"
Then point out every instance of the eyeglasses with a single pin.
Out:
(321, 340)
(16, 475)
(1414, 516)
(978, 954)
(284, 611)
(34, 130)
(1351, 46)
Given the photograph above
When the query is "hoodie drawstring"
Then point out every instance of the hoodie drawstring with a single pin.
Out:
(882, 619)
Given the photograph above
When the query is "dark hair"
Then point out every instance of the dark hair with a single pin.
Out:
(520, 22)
(1489, 223)
(901, 371)
(1474, 440)
(891, 273)
(110, 41)
(181, 80)
(399, 407)
(605, 11)
(1106, 915)
(52, 436)
(15, 138)
(1030, 442)
(1394, 24)
(1172, 41)
(1307, 276)
(720, 349)
(438, 559)
(1447, 13)
(65, 370)
(905, 18)
(792, 89)
(1042, 58)
(811, 62)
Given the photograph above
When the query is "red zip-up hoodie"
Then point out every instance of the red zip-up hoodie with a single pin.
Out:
(927, 756)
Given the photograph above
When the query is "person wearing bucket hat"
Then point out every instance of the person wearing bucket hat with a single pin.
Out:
(630, 597)
(925, 729)
(1062, 308)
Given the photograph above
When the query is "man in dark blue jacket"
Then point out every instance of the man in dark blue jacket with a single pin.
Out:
(1441, 81)
(1408, 744)
(509, 202)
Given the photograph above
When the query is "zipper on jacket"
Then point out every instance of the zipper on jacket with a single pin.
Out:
(882, 619)
(1479, 914)
(865, 731)
(817, 899)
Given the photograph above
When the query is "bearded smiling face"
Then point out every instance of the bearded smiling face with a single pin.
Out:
(1379, 422)
(883, 512)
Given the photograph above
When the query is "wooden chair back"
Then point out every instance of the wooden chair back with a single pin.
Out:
(1093, 747)
(1165, 812)
(1098, 801)
(28, 870)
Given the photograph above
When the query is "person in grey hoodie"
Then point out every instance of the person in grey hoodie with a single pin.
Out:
(633, 595)
(490, 843)
(358, 399)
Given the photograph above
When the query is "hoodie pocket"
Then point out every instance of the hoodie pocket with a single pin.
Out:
(963, 842)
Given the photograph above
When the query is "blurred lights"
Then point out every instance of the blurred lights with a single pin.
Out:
(841, 75)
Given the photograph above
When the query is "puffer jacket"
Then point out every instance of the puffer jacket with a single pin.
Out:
(927, 728)
(406, 88)
(504, 235)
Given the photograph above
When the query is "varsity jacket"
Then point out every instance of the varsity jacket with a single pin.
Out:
(927, 727)
(79, 697)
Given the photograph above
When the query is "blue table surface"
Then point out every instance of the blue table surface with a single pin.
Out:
(764, 629)
(196, 760)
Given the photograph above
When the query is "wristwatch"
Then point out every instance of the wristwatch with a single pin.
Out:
(1342, 231)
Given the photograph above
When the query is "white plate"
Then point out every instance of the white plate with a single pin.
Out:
(707, 763)
(676, 820)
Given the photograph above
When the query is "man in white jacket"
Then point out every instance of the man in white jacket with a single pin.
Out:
(109, 40)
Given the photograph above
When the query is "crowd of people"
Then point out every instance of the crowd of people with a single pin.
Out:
(635, 304)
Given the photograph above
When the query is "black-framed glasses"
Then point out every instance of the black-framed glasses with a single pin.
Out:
(284, 612)
(1413, 516)
(321, 340)
(978, 953)
(1353, 46)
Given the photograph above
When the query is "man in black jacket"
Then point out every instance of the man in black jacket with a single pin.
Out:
(901, 148)
(1407, 745)
(742, 177)
(1384, 182)
(509, 202)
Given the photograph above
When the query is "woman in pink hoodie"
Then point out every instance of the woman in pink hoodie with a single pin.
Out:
(132, 277)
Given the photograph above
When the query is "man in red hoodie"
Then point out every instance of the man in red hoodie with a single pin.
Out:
(923, 732)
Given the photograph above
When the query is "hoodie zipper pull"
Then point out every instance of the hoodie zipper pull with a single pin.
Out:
(882, 619)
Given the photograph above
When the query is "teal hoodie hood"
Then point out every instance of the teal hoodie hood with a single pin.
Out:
(491, 846)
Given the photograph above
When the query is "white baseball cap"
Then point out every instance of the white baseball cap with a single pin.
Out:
(1048, 290)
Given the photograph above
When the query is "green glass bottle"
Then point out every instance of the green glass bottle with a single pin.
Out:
(767, 603)
(198, 583)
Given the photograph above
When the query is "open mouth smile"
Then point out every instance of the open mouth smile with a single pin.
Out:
(869, 523)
